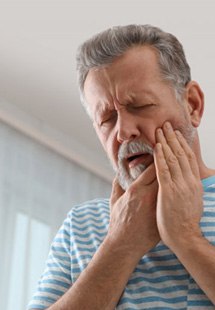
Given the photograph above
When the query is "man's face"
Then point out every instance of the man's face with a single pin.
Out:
(128, 101)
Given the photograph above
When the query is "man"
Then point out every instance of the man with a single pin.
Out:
(152, 245)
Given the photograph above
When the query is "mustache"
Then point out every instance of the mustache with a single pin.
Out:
(132, 148)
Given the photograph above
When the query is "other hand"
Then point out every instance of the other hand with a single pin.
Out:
(179, 203)
(133, 214)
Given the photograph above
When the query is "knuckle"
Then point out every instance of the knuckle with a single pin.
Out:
(194, 188)
(180, 153)
(172, 159)
(165, 170)
(170, 139)
(191, 156)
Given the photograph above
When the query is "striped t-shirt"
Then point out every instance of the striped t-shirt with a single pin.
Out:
(159, 281)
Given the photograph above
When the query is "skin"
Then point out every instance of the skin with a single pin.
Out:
(129, 101)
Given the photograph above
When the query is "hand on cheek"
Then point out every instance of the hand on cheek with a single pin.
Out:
(179, 201)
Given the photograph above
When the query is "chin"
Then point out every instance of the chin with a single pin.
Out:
(126, 178)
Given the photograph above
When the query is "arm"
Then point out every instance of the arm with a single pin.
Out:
(198, 257)
(101, 284)
(179, 208)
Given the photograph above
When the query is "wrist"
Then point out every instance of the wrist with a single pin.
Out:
(188, 242)
(132, 251)
(121, 250)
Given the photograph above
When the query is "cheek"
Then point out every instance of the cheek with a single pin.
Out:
(100, 136)
(149, 132)
(163, 117)
(109, 144)
(112, 148)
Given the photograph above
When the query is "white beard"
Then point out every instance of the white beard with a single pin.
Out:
(125, 176)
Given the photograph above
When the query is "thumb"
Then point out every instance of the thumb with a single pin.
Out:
(117, 191)
(147, 177)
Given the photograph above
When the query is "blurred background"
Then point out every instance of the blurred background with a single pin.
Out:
(50, 158)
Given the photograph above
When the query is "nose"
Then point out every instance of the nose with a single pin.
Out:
(127, 127)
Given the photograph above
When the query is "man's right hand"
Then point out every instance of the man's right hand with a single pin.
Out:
(133, 225)
(132, 233)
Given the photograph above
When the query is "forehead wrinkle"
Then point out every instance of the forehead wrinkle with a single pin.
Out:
(145, 95)
(101, 86)
(113, 97)
(116, 86)
(109, 80)
(127, 93)
(139, 95)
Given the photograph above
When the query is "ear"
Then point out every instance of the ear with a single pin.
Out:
(195, 102)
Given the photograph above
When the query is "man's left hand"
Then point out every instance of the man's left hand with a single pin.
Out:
(179, 201)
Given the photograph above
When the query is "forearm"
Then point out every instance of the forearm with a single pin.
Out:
(101, 284)
(198, 257)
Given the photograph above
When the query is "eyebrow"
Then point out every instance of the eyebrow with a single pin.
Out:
(105, 108)
(146, 95)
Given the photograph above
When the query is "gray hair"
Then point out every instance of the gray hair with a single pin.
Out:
(106, 46)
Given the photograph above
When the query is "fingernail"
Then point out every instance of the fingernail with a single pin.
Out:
(167, 125)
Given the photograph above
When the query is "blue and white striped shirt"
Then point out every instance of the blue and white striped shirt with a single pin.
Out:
(159, 281)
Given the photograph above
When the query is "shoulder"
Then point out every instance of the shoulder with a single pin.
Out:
(87, 223)
(93, 211)
(96, 207)
(83, 222)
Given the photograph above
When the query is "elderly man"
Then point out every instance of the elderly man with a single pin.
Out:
(152, 245)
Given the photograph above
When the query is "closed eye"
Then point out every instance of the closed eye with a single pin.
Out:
(144, 106)
(109, 119)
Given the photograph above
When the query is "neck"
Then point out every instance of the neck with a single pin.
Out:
(204, 171)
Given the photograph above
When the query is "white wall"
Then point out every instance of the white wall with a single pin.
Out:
(37, 189)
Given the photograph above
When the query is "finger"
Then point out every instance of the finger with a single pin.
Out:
(117, 191)
(147, 176)
(177, 149)
(189, 153)
(162, 169)
(170, 158)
